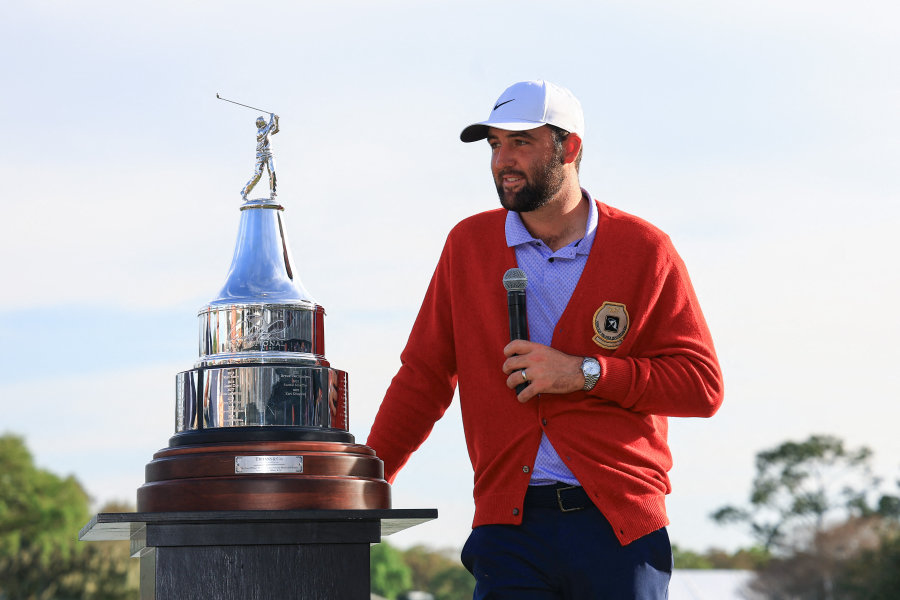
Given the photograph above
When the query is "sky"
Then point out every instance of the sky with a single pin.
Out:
(763, 137)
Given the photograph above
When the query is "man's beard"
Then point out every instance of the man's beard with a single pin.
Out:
(540, 187)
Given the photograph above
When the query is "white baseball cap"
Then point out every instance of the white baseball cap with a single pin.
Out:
(528, 105)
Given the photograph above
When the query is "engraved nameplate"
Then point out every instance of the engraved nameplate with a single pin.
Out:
(268, 464)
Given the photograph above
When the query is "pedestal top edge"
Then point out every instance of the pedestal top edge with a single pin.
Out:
(119, 526)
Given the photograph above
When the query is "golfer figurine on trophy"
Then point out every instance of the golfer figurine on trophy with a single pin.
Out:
(264, 156)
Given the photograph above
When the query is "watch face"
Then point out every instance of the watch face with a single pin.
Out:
(591, 367)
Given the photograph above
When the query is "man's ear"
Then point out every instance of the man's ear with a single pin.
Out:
(571, 148)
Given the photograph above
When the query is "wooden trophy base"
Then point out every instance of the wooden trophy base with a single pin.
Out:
(264, 475)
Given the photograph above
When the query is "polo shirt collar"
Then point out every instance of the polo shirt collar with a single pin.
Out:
(517, 234)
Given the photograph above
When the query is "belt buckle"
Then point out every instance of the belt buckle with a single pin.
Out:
(559, 499)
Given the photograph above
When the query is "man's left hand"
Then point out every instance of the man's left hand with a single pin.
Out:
(548, 370)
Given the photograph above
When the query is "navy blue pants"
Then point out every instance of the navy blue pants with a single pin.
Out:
(556, 555)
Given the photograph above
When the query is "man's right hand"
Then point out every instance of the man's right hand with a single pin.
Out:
(549, 371)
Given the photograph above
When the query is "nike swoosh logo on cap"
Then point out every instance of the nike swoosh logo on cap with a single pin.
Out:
(502, 103)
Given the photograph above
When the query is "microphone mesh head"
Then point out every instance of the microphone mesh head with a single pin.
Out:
(514, 280)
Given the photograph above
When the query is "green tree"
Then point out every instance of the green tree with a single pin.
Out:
(439, 572)
(388, 573)
(38, 510)
(40, 556)
(801, 484)
(715, 558)
(105, 570)
(748, 559)
(424, 564)
(453, 583)
(688, 559)
(816, 570)
(873, 574)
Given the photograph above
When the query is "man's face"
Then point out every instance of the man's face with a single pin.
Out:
(527, 167)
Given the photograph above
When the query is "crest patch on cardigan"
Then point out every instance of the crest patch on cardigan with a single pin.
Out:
(610, 325)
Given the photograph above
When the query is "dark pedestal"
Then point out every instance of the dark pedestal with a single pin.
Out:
(254, 555)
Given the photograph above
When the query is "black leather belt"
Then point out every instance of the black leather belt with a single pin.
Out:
(562, 497)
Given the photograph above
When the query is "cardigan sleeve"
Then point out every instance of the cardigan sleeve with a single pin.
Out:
(423, 388)
(671, 368)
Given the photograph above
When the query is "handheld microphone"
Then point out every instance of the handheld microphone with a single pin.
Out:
(515, 281)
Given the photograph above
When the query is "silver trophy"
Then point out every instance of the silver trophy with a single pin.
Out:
(262, 338)
(262, 397)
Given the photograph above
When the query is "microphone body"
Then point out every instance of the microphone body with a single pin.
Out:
(518, 315)
(515, 282)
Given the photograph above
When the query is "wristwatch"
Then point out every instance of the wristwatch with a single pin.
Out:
(590, 368)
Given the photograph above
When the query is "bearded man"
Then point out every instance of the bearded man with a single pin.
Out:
(570, 473)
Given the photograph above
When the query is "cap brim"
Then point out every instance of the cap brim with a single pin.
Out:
(479, 131)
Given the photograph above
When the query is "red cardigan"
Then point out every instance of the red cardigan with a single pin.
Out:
(612, 438)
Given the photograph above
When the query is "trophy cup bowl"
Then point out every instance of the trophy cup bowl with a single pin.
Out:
(261, 421)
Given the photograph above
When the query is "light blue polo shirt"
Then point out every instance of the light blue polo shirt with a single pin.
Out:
(552, 277)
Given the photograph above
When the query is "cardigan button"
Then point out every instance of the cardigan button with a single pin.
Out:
(525, 469)
(543, 421)
(515, 512)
